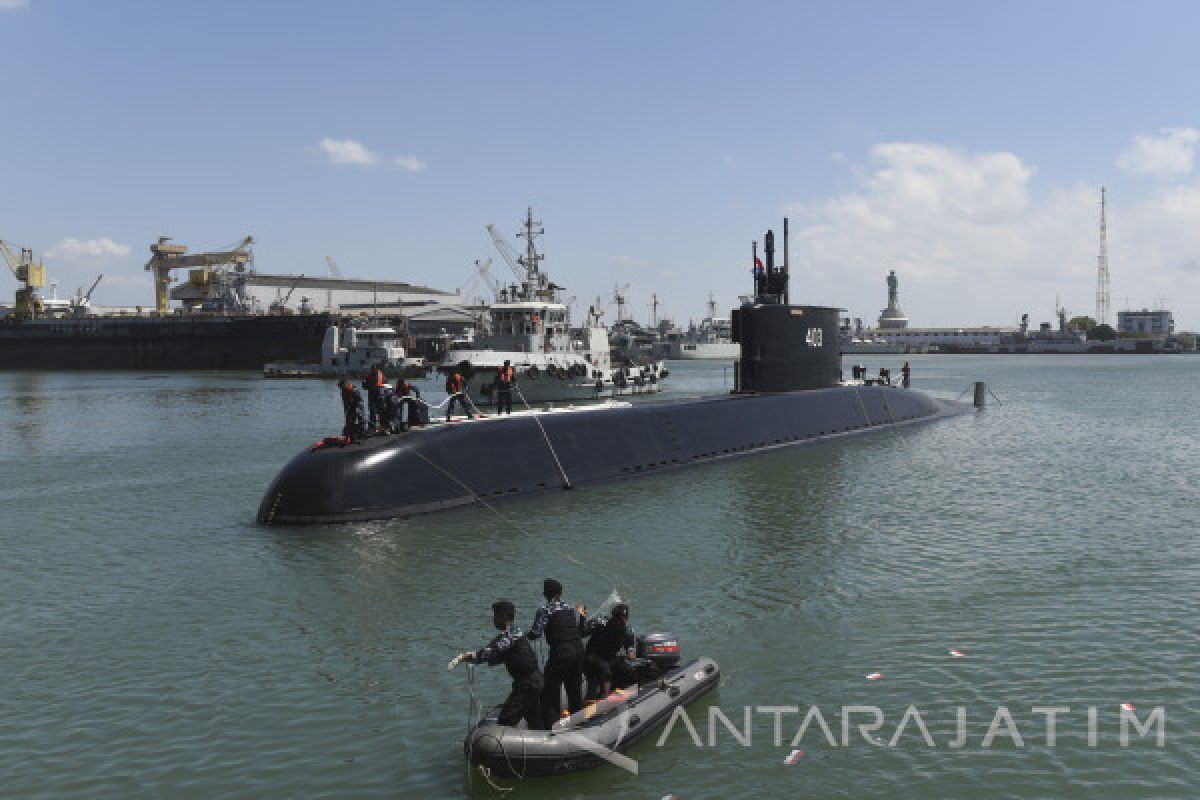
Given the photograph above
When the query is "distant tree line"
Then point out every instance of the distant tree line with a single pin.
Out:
(1102, 333)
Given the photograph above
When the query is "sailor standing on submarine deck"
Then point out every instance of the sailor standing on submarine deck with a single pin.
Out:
(456, 387)
(564, 665)
(375, 382)
(505, 378)
(352, 406)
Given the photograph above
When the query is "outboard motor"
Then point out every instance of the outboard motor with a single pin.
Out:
(659, 651)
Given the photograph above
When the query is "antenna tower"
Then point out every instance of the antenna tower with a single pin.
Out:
(1102, 299)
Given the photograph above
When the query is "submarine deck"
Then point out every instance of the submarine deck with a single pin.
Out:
(443, 466)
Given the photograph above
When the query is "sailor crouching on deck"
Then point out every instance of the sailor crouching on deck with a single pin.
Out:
(515, 652)
(409, 412)
(564, 664)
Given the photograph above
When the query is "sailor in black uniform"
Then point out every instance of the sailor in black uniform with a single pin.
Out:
(564, 665)
(610, 645)
(515, 652)
(352, 405)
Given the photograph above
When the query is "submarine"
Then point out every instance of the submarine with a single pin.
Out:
(788, 390)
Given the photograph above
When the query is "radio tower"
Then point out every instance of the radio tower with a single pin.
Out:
(1102, 267)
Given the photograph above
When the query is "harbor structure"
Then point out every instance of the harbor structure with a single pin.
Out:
(1155, 324)
(230, 316)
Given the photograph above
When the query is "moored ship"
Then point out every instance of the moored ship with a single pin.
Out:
(712, 339)
(529, 326)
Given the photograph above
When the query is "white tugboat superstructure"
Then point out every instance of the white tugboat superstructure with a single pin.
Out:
(530, 327)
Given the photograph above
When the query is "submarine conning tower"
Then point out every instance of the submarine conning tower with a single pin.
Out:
(784, 347)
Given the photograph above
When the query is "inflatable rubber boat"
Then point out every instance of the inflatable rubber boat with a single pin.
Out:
(603, 730)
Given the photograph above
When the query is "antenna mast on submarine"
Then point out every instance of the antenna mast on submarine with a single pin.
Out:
(771, 281)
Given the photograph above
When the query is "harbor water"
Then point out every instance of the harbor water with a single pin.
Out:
(158, 643)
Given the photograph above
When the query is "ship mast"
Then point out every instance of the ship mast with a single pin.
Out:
(529, 261)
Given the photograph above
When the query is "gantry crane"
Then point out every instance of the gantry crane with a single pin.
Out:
(166, 257)
(31, 275)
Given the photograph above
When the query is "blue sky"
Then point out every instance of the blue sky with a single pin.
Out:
(960, 144)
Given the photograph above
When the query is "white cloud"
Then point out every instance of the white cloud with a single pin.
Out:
(347, 151)
(969, 239)
(409, 163)
(11, 5)
(87, 250)
(1173, 152)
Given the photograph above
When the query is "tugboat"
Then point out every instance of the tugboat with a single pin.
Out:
(348, 352)
(530, 327)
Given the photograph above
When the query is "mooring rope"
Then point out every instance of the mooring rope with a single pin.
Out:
(513, 523)
(863, 406)
(546, 436)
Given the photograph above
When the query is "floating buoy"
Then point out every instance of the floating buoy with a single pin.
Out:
(874, 676)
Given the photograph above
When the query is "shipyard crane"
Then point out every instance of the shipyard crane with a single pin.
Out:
(508, 253)
(87, 298)
(31, 275)
(280, 304)
(166, 257)
(482, 275)
(334, 272)
(82, 302)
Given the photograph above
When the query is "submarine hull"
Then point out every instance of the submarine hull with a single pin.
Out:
(447, 466)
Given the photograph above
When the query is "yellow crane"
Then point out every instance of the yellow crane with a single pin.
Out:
(165, 257)
(31, 275)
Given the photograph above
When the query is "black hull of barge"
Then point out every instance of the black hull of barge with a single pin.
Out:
(175, 342)
(449, 466)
